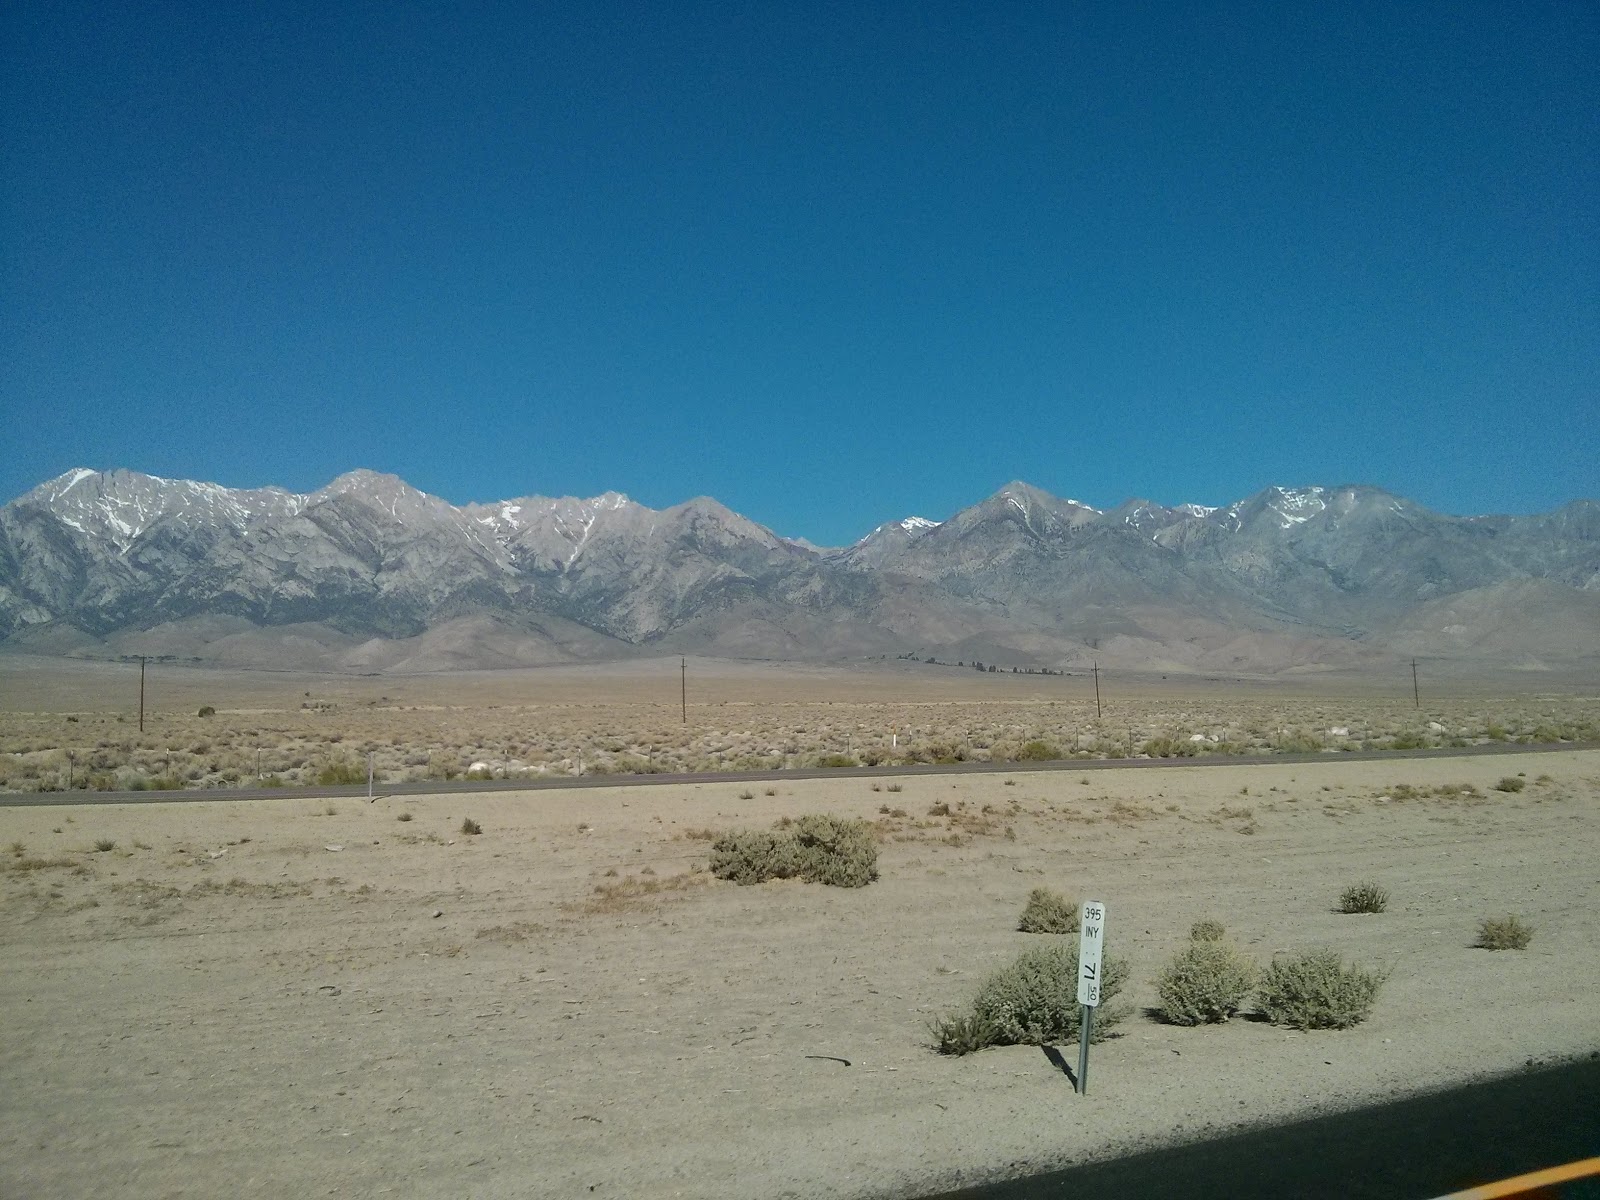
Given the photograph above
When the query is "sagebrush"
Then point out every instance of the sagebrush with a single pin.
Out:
(1207, 930)
(1317, 990)
(1048, 911)
(1206, 983)
(1504, 933)
(1364, 897)
(1033, 1002)
(815, 848)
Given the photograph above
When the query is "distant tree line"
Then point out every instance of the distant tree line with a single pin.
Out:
(987, 668)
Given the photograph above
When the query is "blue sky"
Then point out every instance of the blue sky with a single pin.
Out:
(830, 263)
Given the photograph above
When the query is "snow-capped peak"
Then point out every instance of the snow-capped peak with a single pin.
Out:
(1295, 506)
(1196, 510)
(918, 524)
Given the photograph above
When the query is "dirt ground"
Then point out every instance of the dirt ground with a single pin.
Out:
(297, 997)
(75, 725)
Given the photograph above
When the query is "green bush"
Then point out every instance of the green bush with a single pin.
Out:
(1038, 750)
(1205, 983)
(963, 1034)
(1315, 990)
(815, 848)
(1300, 743)
(1511, 783)
(1033, 1002)
(1048, 912)
(836, 851)
(1504, 933)
(341, 772)
(1207, 930)
(1364, 897)
(837, 760)
(754, 856)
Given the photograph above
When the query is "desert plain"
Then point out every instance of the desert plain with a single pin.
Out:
(313, 996)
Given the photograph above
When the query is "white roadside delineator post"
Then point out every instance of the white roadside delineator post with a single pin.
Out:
(1091, 938)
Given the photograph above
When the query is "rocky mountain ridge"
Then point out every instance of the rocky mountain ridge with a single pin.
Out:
(370, 573)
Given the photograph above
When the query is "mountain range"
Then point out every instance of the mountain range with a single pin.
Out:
(370, 574)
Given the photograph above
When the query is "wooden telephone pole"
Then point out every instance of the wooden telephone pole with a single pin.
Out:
(141, 693)
(683, 687)
(1097, 691)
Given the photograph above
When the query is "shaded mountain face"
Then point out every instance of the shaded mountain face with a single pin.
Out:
(391, 576)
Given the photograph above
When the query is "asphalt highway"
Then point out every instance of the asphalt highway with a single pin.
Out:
(1413, 1149)
(455, 787)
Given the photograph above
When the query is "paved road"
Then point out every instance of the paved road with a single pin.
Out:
(1411, 1149)
(452, 787)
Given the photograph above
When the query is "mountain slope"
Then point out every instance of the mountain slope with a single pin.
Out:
(369, 573)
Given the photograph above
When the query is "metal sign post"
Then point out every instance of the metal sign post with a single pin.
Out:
(1091, 938)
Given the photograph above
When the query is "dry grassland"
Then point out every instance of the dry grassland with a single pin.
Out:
(303, 997)
(78, 721)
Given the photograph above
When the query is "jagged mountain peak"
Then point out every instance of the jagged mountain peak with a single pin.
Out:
(118, 506)
(116, 552)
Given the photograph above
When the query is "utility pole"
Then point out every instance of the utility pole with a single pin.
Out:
(683, 687)
(1416, 696)
(141, 693)
(1097, 713)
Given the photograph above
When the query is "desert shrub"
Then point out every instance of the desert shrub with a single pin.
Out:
(1048, 912)
(963, 1034)
(836, 851)
(1511, 783)
(1300, 743)
(939, 808)
(815, 848)
(1038, 750)
(206, 711)
(341, 772)
(1168, 747)
(1316, 990)
(754, 856)
(1033, 1002)
(1504, 933)
(1205, 983)
(470, 827)
(405, 816)
(836, 760)
(1364, 897)
(105, 844)
(1207, 930)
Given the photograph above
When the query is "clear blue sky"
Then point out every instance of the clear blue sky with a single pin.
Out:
(830, 263)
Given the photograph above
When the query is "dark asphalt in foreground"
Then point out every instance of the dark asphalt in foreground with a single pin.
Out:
(454, 787)
(1414, 1149)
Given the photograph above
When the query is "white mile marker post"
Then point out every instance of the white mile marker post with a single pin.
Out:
(1091, 937)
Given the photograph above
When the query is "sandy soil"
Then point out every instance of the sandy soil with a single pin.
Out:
(258, 998)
